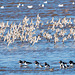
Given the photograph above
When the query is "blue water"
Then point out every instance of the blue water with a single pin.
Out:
(43, 51)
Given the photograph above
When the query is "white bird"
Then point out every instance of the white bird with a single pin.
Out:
(52, 21)
(56, 39)
(18, 5)
(47, 22)
(70, 22)
(60, 5)
(30, 6)
(73, 3)
(22, 5)
(45, 2)
(64, 39)
(2, 7)
(42, 5)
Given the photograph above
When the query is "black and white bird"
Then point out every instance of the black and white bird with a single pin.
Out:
(21, 63)
(36, 63)
(46, 65)
(71, 63)
(66, 66)
(62, 64)
(27, 63)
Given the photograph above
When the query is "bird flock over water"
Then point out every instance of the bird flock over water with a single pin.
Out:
(31, 6)
(63, 65)
(55, 31)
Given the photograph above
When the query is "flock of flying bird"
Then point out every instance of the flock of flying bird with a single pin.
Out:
(53, 31)
(63, 65)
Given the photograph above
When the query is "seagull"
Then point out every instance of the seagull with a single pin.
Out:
(22, 5)
(42, 5)
(73, 3)
(45, 2)
(18, 5)
(60, 5)
(2, 7)
(30, 6)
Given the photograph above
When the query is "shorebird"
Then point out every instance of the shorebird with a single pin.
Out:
(36, 63)
(73, 3)
(22, 5)
(30, 6)
(71, 63)
(2, 7)
(18, 5)
(43, 5)
(46, 65)
(21, 63)
(61, 64)
(45, 2)
(60, 5)
(27, 63)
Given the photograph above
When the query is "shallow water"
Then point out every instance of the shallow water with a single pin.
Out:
(42, 51)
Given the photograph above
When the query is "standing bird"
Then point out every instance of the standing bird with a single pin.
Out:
(21, 63)
(67, 66)
(36, 63)
(46, 65)
(71, 63)
(63, 64)
(27, 63)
